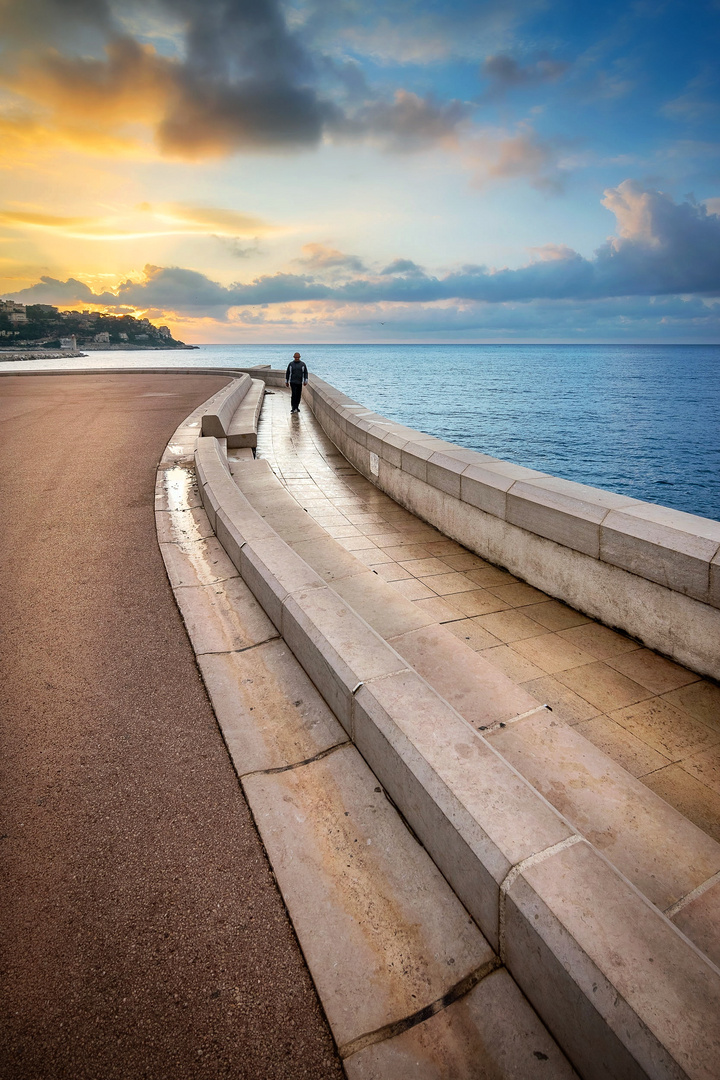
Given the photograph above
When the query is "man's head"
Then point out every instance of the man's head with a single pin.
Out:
(296, 356)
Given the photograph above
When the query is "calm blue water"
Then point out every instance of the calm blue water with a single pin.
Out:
(643, 420)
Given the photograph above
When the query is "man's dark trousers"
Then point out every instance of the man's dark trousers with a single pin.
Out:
(295, 394)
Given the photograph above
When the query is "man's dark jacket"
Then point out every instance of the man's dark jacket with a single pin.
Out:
(296, 372)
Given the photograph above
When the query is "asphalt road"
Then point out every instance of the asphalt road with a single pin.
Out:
(142, 932)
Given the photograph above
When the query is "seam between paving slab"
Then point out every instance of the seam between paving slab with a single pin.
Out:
(459, 990)
(389, 1031)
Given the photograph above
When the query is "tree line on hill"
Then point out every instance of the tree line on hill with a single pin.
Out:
(46, 326)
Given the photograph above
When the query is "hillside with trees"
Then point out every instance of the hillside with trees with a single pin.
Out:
(44, 326)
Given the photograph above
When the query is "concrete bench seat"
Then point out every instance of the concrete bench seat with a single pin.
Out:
(221, 408)
(242, 429)
(629, 995)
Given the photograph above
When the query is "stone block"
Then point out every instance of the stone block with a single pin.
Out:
(415, 457)
(667, 546)
(560, 510)
(486, 489)
(273, 571)
(444, 471)
(489, 1034)
(471, 684)
(380, 604)
(662, 853)
(622, 992)
(472, 812)
(335, 646)
(700, 921)
(200, 562)
(270, 714)
(221, 408)
(380, 928)
(223, 616)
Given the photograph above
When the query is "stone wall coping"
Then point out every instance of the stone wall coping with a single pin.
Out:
(508, 854)
(670, 547)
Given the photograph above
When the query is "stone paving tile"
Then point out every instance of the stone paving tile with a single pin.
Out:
(406, 552)
(705, 767)
(438, 609)
(466, 561)
(472, 634)
(622, 746)
(554, 616)
(656, 672)
(374, 557)
(701, 700)
(520, 594)
(492, 1033)
(568, 705)
(478, 602)
(412, 589)
(512, 664)
(510, 625)
(447, 547)
(551, 654)
(602, 686)
(392, 571)
(356, 543)
(693, 799)
(599, 640)
(669, 730)
(488, 576)
(425, 567)
(445, 584)
(351, 872)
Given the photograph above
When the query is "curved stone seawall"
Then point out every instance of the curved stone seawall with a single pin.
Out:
(649, 570)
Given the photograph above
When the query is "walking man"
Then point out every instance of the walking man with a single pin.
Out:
(296, 377)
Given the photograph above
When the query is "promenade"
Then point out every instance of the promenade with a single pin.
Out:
(146, 933)
(142, 932)
(657, 719)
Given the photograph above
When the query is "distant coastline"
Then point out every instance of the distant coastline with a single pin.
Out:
(68, 354)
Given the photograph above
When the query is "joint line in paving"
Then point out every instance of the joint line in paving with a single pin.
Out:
(514, 873)
(389, 1031)
(299, 764)
(689, 897)
(245, 648)
(488, 729)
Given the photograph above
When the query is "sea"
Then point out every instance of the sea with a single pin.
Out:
(642, 420)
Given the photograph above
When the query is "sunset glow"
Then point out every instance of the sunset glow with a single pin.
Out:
(405, 171)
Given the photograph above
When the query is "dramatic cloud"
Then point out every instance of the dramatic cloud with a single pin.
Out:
(407, 123)
(240, 79)
(662, 249)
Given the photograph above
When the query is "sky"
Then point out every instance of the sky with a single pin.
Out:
(366, 170)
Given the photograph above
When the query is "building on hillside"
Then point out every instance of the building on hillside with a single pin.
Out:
(17, 317)
(123, 336)
(103, 338)
(164, 332)
(69, 343)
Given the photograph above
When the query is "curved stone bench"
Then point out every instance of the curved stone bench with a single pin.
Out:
(222, 407)
(624, 992)
(242, 429)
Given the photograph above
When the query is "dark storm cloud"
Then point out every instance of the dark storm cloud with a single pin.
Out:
(237, 79)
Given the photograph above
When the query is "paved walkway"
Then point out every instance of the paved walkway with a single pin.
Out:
(142, 931)
(658, 720)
